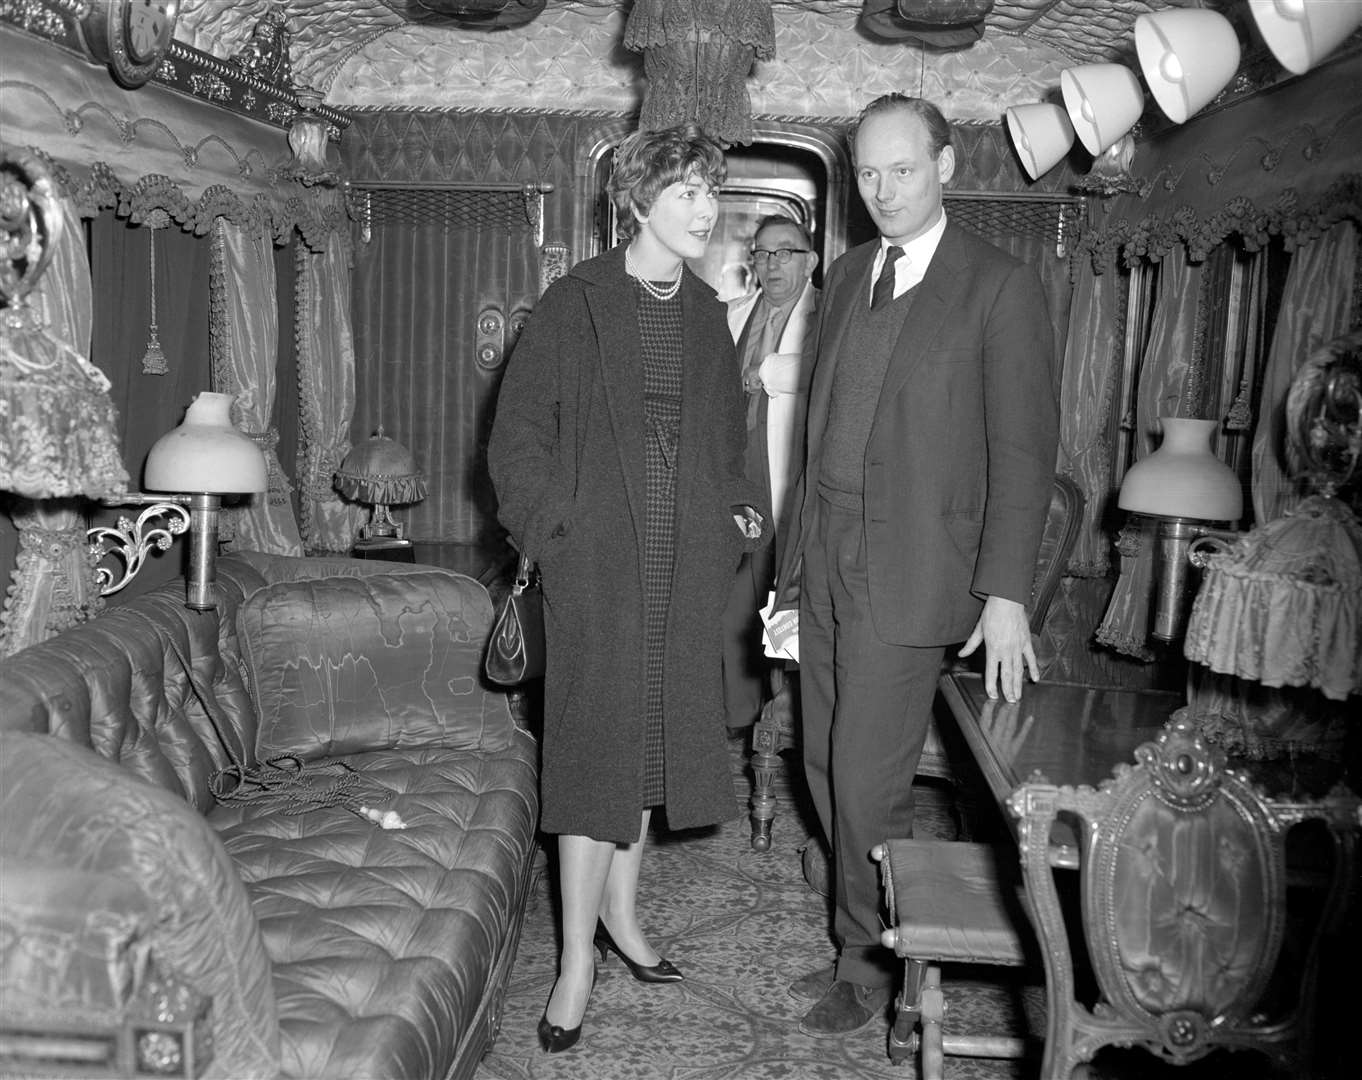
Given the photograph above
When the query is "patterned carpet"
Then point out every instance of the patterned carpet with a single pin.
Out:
(741, 926)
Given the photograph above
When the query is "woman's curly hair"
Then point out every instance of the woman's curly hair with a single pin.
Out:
(648, 161)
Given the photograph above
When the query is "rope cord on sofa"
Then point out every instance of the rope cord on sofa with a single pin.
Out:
(281, 777)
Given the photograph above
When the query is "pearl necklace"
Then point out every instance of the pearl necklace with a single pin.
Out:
(651, 289)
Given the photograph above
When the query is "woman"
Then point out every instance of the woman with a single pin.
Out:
(617, 456)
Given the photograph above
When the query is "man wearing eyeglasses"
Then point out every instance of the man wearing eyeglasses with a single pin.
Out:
(768, 327)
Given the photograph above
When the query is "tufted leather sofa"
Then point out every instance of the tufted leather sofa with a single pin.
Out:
(145, 922)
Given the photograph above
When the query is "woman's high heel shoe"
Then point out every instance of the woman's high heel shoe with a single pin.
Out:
(664, 971)
(554, 1039)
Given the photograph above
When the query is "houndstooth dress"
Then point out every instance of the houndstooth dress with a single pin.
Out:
(659, 324)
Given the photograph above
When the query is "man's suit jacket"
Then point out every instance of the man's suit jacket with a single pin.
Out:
(776, 447)
(961, 451)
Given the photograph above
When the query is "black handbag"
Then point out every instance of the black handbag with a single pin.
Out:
(515, 653)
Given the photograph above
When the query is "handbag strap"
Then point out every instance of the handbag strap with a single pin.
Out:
(524, 569)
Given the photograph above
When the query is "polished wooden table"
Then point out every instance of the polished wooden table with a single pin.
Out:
(1070, 733)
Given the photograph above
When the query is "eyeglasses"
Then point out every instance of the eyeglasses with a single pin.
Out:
(780, 255)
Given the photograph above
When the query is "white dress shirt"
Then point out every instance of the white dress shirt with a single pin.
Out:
(917, 256)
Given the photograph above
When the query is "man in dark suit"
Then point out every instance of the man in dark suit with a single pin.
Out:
(931, 445)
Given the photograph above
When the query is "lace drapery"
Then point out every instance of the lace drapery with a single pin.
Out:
(326, 377)
(245, 350)
(697, 55)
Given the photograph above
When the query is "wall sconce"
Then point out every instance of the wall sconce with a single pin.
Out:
(308, 135)
(1301, 33)
(1188, 56)
(1104, 101)
(206, 457)
(382, 472)
(1042, 135)
(1183, 485)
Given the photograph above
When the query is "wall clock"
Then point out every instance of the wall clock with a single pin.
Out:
(131, 36)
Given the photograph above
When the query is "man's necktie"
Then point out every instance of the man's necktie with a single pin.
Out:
(884, 284)
(767, 339)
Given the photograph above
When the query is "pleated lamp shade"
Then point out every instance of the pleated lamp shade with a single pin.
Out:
(1283, 606)
(380, 471)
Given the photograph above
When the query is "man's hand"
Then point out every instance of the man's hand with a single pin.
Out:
(1003, 629)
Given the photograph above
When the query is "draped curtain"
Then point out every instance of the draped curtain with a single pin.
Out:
(245, 349)
(1091, 382)
(418, 293)
(326, 373)
(1056, 278)
(1316, 306)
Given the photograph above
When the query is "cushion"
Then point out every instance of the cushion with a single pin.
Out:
(341, 665)
(66, 805)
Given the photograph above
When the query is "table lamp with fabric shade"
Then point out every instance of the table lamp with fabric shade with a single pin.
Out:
(382, 472)
(1282, 606)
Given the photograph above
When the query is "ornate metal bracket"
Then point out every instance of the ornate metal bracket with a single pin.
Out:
(133, 541)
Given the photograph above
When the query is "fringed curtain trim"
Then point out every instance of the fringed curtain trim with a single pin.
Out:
(256, 216)
(1152, 238)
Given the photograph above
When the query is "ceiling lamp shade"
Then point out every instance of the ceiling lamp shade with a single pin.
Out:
(1183, 478)
(1104, 102)
(206, 453)
(1188, 56)
(1301, 33)
(1042, 134)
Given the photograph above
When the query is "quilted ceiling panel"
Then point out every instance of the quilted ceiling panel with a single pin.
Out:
(365, 54)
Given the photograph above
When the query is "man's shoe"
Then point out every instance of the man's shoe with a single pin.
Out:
(845, 1008)
(815, 984)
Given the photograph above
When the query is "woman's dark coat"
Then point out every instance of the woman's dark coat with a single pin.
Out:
(567, 460)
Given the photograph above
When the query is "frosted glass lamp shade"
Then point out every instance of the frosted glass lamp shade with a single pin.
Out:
(1183, 478)
(1042, 134)
(1188, 56)
(1301, 33)
(1103, 100)
(206, 453)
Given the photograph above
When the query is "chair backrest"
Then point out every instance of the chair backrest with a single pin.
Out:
(1182, 864)
(1062, 522)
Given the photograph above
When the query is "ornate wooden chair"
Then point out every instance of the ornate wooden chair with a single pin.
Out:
(775, 728)
(1183, 892)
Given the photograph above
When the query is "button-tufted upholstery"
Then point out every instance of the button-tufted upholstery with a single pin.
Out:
(388, 951)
